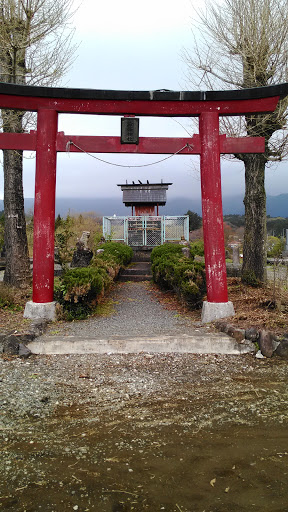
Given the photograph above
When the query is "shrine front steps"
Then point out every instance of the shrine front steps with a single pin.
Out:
(138, 271)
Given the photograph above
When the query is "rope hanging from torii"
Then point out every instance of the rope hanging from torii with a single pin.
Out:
(70, 143)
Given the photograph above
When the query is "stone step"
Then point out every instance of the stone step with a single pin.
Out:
(135, 277)
(141, 254)
(138, 271)
(192, 344)
(135, 271)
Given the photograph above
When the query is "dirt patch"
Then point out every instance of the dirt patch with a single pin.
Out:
(264, 308)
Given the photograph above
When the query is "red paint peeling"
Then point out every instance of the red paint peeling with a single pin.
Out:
(212, 208)
(44, 210)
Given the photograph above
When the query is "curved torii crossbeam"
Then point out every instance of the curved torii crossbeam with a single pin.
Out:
(209, 144)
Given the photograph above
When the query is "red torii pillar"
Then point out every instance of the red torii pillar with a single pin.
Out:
(42, 305)
(217, 304)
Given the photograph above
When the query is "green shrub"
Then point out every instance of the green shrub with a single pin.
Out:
(113, 251)
(80, 288)
(171, 270)
(63, 239)
(197, 249)
(275, 246)
(78, 291)
(166, 249)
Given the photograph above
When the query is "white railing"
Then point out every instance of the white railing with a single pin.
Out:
(147, 231)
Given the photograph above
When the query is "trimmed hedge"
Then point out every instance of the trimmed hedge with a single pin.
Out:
(173, 271)
(80, 288)
(78, 292)
(120, 253)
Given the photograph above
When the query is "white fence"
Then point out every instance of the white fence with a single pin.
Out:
(147, 230)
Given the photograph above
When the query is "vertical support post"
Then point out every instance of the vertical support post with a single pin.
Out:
(44, 216)
(186, 228)
(212, 213)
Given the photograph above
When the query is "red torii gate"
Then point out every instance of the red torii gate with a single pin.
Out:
(47, 141)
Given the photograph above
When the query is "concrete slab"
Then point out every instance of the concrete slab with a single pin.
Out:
(44, 311)
(212, 311)
(197, 344)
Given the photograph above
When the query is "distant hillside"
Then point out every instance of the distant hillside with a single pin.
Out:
(277, 206)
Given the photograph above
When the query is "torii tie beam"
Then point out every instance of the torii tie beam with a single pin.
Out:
(209, 144)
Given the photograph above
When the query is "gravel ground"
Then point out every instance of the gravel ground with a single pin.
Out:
(144, 433)
(136, 311)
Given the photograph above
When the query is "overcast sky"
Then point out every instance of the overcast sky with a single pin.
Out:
(132, 45)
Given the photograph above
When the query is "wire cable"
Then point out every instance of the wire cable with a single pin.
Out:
(70, 142)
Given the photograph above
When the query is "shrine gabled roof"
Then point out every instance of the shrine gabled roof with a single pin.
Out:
(158, 95)
(144, 193)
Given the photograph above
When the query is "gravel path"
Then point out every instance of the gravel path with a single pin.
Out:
(136, 312)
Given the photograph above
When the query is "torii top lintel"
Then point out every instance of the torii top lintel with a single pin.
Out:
(143, 103)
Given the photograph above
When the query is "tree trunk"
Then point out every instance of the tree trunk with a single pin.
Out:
(254, 250)
(17, 271)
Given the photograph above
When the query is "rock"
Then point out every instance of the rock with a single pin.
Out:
(238, 334)
(235, 332)
(186, 252)
(259, 355)
(3, 337)
(81, 257)
(11, 345)
(38, 327)
(15, 343)
(282, 349)
(99, 251)
(266, 343)
(221, 326)
(23, 351)
(228, 329)
(200, 259)
(233, 271)
(252, 334)
(84, 239)
(26, 337)
(45, 399)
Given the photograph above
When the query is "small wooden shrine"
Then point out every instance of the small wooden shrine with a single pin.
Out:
(144, 198)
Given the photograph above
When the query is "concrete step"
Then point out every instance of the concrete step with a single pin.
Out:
(141, 254)
(136, 278)
(193, 344)
(138, 271)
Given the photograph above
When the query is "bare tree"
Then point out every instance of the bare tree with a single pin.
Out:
(244, 44)
(36, 49)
